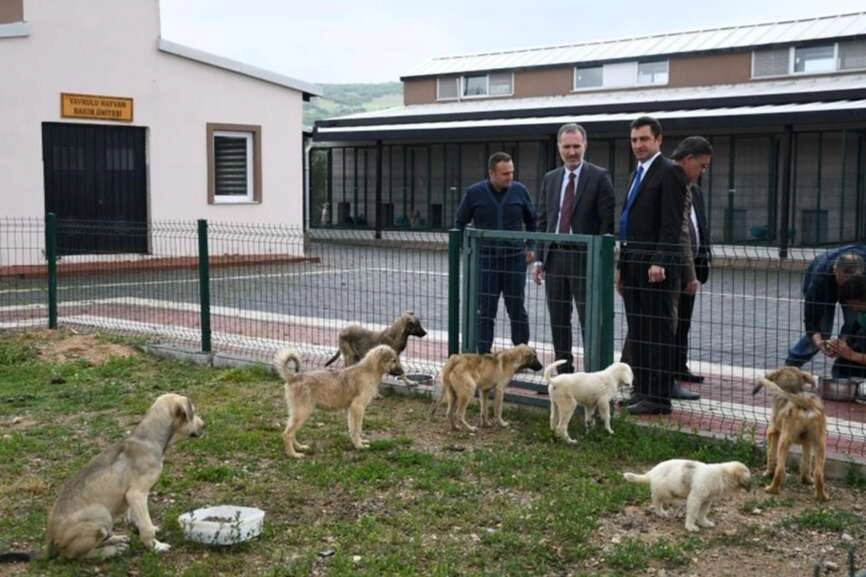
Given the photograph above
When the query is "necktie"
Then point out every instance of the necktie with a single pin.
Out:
(693, 233)
(567, 206)
(629, 201)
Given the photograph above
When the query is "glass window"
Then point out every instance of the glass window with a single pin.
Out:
(475, 85)
(233, 166)
(447, 88)
(501, 84)
(852, 54)
(773, 62)
(652, 72)
(588, 77)
(814, 59)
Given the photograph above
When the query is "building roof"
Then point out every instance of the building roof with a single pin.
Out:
(825, 87)
(722, 117)
(306, 88)
(693, 41)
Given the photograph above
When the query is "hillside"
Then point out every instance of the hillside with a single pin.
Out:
(340, 99)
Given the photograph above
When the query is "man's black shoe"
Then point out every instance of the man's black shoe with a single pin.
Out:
(679, 393)
(690, 377)
(645, 407)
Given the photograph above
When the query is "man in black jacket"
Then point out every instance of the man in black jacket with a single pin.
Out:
(577, 198)
(693, 156)
(649, 266)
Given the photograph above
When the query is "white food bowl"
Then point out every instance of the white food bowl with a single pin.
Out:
(222, 525)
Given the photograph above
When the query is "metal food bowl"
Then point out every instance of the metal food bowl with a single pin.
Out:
(839, 389)
(419, 378)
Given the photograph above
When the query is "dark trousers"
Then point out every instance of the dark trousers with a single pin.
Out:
(684, 323)
(564, 283)
(651, 340)
(502, 273)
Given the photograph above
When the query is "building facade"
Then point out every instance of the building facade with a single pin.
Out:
(783, 103)
(104, 120)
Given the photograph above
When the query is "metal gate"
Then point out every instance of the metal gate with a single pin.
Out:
(96, 184)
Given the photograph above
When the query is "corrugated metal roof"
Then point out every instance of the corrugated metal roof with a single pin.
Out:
(649, 97)
(725, 38)
(337, 133)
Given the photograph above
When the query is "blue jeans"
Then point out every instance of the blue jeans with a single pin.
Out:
(804, 349)
(503, 272)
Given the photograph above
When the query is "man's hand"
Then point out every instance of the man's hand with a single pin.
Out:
(538, 273)
(825, 346)
(656, 273)
(530, 257)
(692, 287)
(838, 347)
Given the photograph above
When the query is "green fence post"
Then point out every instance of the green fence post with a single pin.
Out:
(606, 282)
(51, 256)
(204, 285)
(454, 238)
(471, 264)
(591, 346)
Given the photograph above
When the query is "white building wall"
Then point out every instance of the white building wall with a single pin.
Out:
(109, 48)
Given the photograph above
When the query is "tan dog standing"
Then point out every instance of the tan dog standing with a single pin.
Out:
(463, 374)
(351, 388)
(798, 418)
(118, 481)
(356, 341)
(698, 483)
(594, 391)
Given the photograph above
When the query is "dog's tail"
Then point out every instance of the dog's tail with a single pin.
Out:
(281, 363)
(802, 401)
(332, 359)
(548, 370)
(446, 387)
(17, 557)
(635, 478)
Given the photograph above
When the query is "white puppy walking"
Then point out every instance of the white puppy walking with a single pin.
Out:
(698, 483)
(594, 391)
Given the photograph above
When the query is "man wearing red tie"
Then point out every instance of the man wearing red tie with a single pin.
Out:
(649, 266)
(577, 198)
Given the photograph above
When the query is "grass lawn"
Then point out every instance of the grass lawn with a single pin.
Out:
(420, 501)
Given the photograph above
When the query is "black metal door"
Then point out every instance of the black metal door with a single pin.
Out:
(96, 184)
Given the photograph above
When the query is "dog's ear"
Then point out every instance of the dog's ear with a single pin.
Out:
(774, 375)
(183, 409)
(807, 377)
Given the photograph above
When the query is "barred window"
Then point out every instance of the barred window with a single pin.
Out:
(852, 54)
(448, 88)
(234, 164)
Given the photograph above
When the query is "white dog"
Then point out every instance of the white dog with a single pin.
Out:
(698, 483)
(594, 391)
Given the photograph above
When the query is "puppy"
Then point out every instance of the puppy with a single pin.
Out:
(698, 483)
(463, 374)
(798, 418)
(593, 391)
(118, 481)
(356, 341)
(352, 388)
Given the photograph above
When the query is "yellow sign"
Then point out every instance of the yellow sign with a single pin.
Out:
(96, 107)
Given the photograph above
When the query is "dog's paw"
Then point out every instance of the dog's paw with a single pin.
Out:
(570, 441)
(300, 447)
(160, 547)
(692, 528)
(504, 423)
(295, 455)
(706, 523)
(771, 489)
(822, 496)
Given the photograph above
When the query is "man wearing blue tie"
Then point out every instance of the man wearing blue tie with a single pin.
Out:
(648, 267)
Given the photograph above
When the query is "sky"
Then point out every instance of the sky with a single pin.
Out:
(339, 41)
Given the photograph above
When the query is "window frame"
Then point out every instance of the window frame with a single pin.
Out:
(793, 60)
(576, 88)
(457, 81)
(667, 64)
(253, 133)
(461, 86)
(792, 55)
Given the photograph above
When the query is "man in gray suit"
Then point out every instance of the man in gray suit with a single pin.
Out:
(577, 198)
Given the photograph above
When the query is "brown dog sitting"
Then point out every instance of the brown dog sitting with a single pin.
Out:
(798, 418)
(463, 374)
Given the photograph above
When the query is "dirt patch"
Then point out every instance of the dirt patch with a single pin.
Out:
(90, 348)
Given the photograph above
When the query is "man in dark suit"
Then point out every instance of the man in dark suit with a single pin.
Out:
(577, 198)
(649, 266)
(693, 155)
